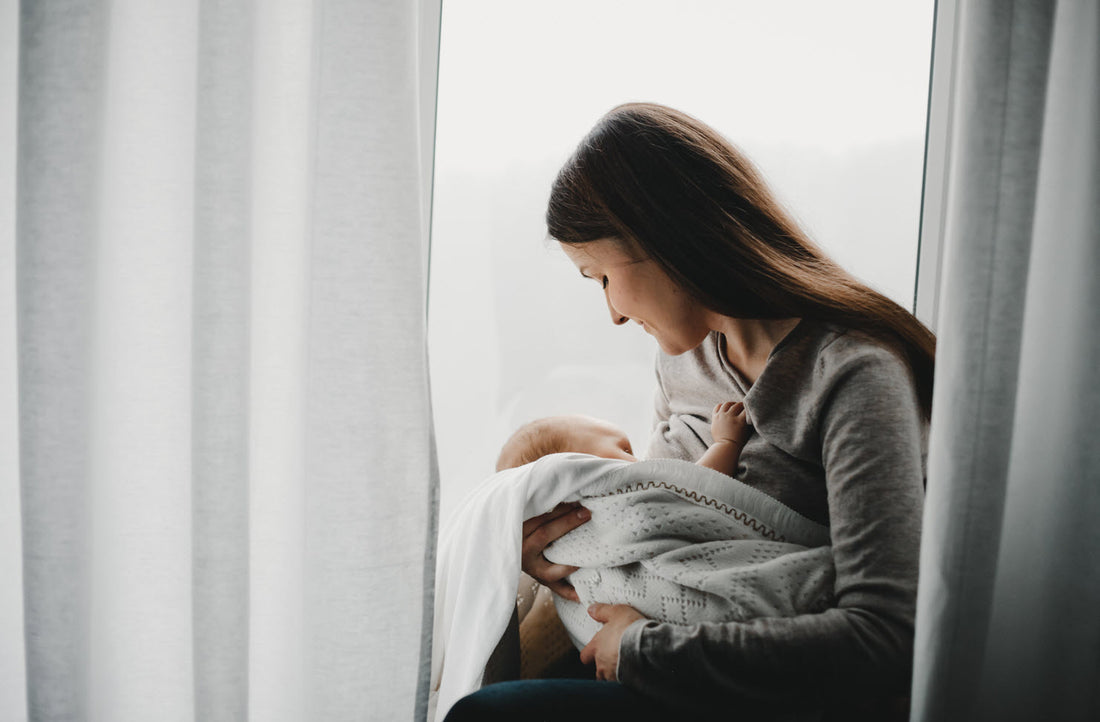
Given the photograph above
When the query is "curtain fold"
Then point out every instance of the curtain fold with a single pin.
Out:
(227, 473)
(1006, 625)
(221, 279)
(367, 405)
(13, 683)
(62, 48)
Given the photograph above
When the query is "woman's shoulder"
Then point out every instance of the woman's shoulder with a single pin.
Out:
(820, 352)
(822, 369)
(812, 357)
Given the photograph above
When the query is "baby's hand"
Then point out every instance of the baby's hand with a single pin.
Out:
(729, 423)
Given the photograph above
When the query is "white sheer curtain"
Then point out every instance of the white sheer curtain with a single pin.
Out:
(1008, 625)
(226, 475)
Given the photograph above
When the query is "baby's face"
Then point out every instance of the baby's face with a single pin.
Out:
(587, 435)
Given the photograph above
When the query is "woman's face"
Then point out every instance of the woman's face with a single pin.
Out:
(637, 289)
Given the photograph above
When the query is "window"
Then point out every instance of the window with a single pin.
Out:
(829, 100)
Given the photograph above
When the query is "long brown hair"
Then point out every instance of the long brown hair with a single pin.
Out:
(674, 189)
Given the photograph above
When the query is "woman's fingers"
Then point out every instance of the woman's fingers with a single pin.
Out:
(564, 589)
(553, 573)
(538, 537)
(538, 532)
(558, 511)
(553, 576)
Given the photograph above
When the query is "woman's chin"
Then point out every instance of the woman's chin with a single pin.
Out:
(672, 349)
(678, 346)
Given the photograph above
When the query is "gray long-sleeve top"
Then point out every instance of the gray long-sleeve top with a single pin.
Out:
(839, 437)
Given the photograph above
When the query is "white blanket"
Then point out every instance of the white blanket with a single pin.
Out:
(679, 542)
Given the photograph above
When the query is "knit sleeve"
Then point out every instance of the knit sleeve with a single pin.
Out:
(870, 429)
(661, 444)
(679, 433)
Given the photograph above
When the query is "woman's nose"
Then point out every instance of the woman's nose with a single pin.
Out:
(616, 318)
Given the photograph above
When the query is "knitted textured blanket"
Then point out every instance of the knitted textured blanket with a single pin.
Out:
(679, 542)
(684, 544)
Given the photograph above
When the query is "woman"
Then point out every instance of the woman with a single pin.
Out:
(685, 238)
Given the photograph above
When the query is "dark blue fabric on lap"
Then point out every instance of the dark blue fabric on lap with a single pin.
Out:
(556, 700)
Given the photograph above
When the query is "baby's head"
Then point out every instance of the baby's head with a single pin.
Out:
(553, 434)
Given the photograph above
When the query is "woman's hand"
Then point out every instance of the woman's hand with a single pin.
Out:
(604, 647)
(538, 532)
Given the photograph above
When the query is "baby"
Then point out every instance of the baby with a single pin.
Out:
(586, 435)
(543, 647)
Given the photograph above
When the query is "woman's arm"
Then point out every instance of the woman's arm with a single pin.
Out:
(870, 429)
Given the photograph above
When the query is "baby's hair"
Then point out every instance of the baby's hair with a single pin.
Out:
(530, 442)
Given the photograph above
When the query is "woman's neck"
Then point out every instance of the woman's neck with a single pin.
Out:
(749, 342)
